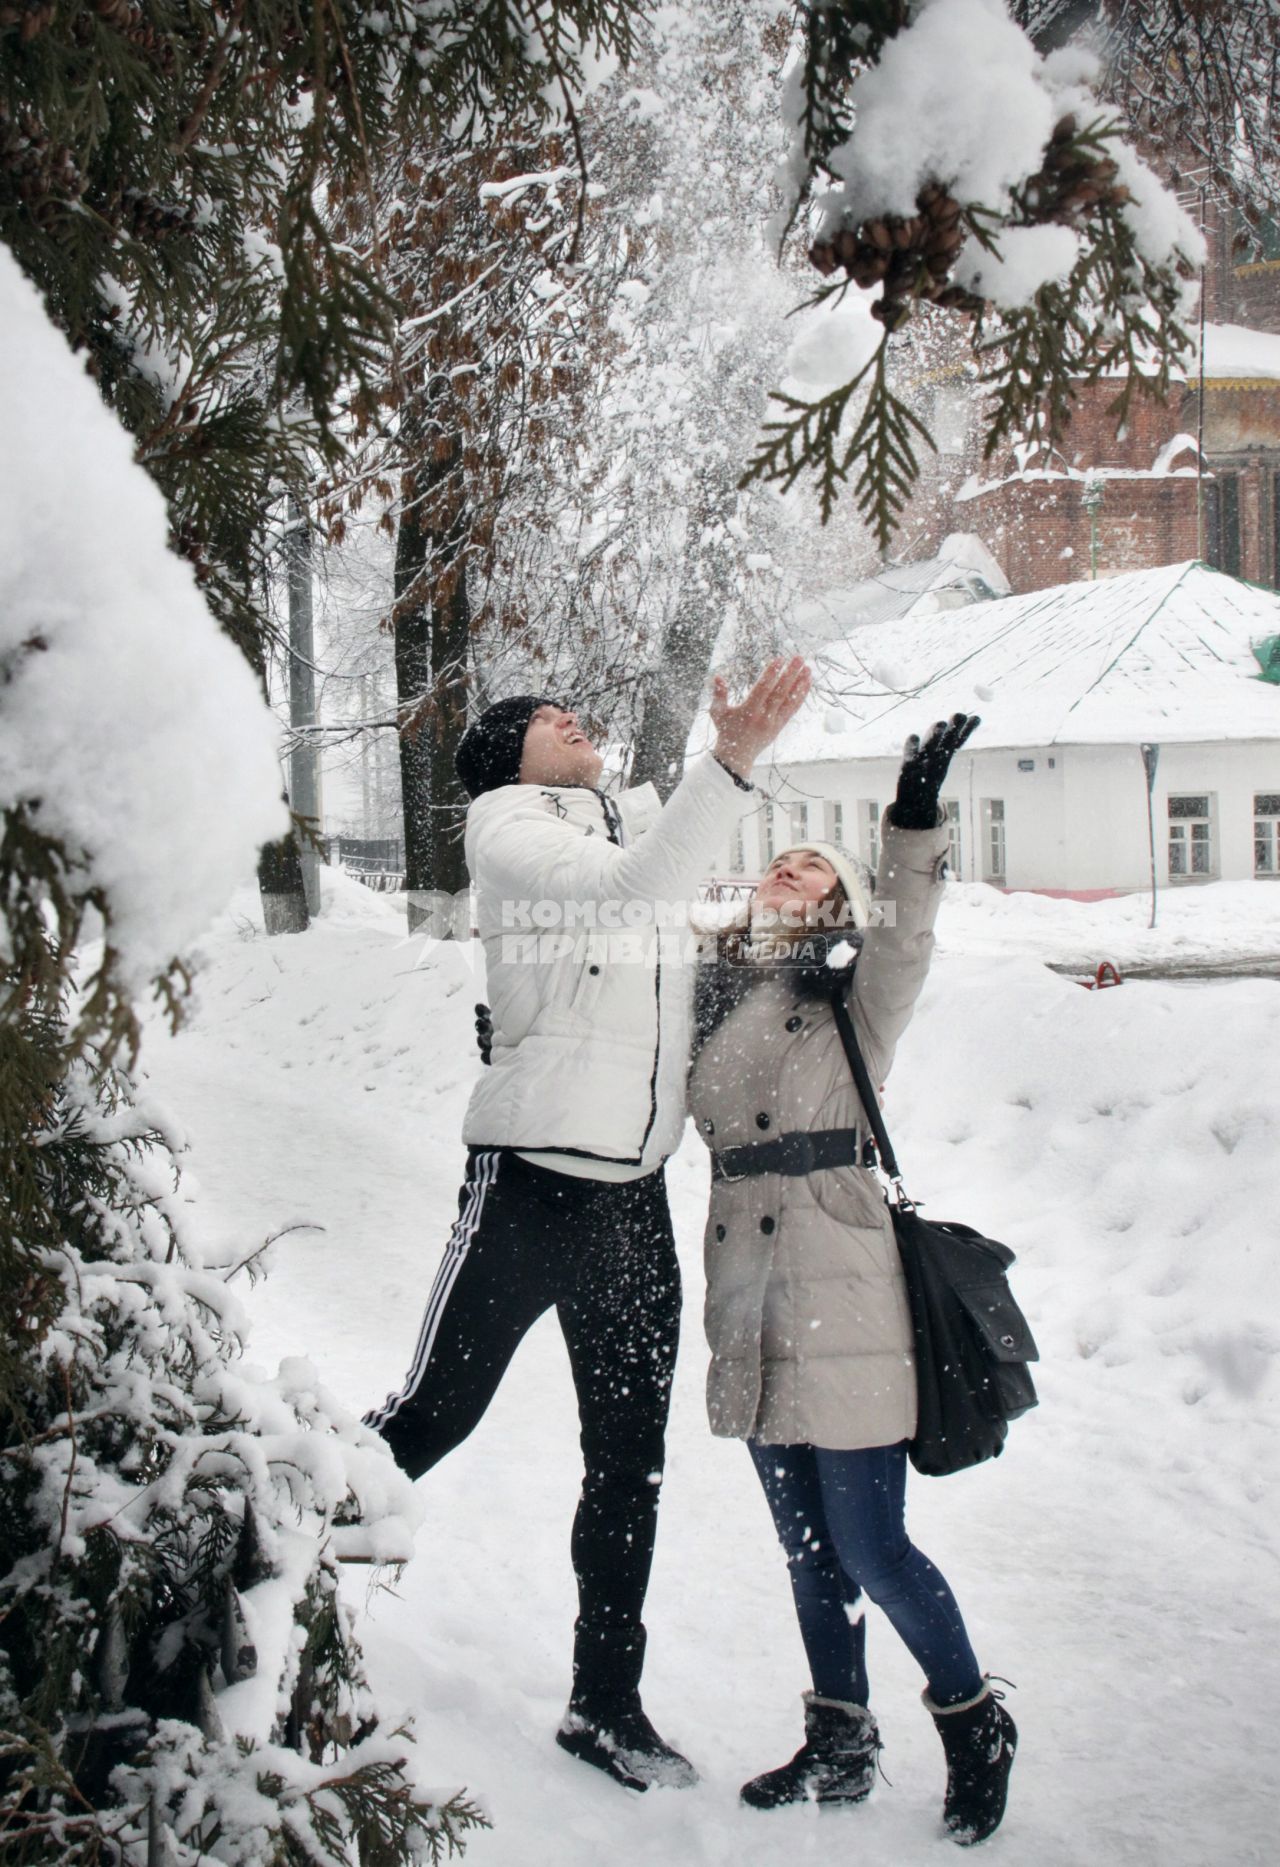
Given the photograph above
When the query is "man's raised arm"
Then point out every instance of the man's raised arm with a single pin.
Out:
(528, 855)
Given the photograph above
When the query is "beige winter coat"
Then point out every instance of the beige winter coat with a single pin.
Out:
(806, 1312)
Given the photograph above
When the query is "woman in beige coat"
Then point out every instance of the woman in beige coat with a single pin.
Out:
(806, 1310)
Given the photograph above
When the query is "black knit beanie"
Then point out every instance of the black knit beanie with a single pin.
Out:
(489, 751)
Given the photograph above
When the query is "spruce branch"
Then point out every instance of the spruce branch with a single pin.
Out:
(881, 447)
(1120, 310)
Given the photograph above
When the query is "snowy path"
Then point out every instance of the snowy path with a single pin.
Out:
(1120, 1563)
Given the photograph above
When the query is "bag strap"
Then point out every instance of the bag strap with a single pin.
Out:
(870, 1100)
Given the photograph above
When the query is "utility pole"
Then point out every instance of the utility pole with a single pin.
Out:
(1091, 499)
(1200, 410)
(304, 759)
(366, 764)
(1150, 759)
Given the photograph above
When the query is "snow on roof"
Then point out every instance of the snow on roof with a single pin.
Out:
(1237, 350)
(963, 572)
(1161, 654)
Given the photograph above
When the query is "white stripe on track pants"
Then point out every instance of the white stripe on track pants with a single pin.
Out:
(527, 1238)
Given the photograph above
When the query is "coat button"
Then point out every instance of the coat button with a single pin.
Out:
(719, 1234)
(793, 1024)
(593, 970)
(708, 1126)
(766, 1225)
(762, 1120)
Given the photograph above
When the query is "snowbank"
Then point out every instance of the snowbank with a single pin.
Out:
(127, 714)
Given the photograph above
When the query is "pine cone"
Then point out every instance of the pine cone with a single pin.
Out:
(956, 298)
(912, 255)
(868, 269)
(33, 19)
(891, 312)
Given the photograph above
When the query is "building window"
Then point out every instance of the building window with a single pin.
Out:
(1266, 833)
(837, 823)
(738, 859)
(768, 835)
(799, 824)
(1190, 838)
(1222, 522)
(955, 851)
(993, 820)
(870, 813)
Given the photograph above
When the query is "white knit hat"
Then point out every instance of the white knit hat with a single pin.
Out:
(855, 876)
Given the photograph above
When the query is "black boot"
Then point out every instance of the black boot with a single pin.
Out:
(979, 1738)
(836, 1763)
(605, 1724)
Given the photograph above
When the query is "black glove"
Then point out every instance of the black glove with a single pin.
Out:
(924, 771)
(484, 1033)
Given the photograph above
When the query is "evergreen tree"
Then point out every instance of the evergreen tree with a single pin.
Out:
(163, 1515)
(162, 179)
(178, 1679)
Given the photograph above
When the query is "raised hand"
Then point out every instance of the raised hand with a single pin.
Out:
(924, 771)
(744, 731)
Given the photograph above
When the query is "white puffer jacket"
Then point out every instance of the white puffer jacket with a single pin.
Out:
(589, 975)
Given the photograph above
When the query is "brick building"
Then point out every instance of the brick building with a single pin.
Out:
(1107, 502)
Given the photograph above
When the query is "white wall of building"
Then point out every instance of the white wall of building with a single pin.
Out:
(1074, 817)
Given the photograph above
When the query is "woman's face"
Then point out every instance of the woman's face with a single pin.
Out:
(793, 888)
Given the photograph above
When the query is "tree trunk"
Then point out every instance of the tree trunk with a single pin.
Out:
(280, 884)
(431, 634)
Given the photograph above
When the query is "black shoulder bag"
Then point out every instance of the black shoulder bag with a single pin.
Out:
(972, 1342)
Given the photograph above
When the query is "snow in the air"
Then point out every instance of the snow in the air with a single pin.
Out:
(962, 572)
(1119, 1562)
(136, 724)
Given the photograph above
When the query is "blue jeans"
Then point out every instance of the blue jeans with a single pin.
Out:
(839, 1518)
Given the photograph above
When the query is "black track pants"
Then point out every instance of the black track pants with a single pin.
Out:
(526, 1238)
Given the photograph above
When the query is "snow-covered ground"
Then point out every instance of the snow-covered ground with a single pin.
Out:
(1227, 924)
(1119, 1562)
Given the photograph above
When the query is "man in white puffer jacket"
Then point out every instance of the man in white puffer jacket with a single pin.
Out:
(564, 1203)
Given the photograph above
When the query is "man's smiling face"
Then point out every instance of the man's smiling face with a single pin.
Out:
(557, 751)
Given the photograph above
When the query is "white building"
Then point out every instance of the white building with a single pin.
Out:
(1071, 683)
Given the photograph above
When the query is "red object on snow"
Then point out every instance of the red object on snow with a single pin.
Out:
(1107, 974)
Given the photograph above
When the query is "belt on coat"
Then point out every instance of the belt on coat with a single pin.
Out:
(794, 1153)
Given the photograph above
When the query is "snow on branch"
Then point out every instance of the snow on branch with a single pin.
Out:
(939, 159)
(138, 753)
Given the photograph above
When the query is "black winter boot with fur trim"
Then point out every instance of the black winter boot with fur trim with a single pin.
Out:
(979, 1739)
